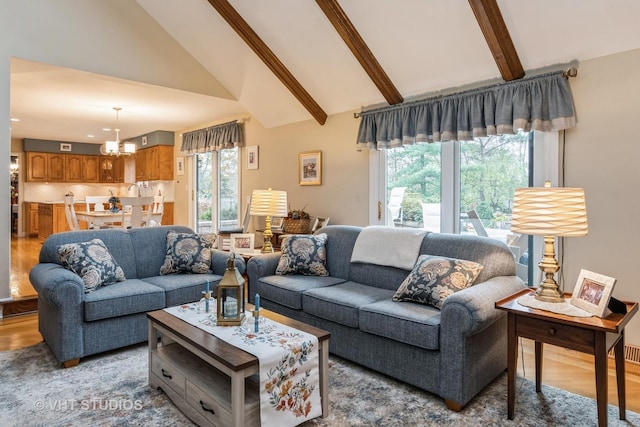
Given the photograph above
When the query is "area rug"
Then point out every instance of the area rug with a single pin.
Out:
(112, 389)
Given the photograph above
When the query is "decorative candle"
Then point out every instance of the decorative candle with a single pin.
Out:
(206, 288)
(230, 308)
(257, 301)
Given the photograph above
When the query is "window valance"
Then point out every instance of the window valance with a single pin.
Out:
(214, 138)
(542, 103)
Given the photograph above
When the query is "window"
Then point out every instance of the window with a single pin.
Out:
(464, 187)
(217, 189)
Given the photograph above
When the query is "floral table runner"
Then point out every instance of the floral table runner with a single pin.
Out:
(289, 365)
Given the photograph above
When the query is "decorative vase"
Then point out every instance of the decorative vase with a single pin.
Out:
(114, 208)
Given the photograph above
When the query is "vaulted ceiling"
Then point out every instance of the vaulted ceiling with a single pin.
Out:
(286, 61)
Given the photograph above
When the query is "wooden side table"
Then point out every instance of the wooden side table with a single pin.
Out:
(592, 335)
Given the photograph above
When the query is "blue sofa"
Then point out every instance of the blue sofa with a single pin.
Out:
(76, 324)
(453, 352)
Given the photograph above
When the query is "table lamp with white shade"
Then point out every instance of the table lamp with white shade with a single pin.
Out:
(549, 212)
(268, 203)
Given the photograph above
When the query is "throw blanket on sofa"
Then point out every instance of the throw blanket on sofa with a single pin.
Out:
(393, 247)
(289, 363)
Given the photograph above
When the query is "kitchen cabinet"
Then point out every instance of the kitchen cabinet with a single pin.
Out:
(90, 168)
(111, 169)
(45, 167)
(167, 213)
(31, 210)
(73, 168)
(81, 168)
(155, 163)
(50, 218)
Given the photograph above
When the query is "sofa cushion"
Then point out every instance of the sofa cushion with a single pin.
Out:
(303, 254)
(341, 303)
(92, 261)
(414, 324)
(188, 253)
(434, 278)
(288, 290)
(123, 298)
(184, 288)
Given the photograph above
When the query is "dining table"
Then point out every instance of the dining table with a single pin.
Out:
(108, 218)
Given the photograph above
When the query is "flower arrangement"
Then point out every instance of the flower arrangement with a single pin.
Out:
(297, 221)
(298, 214)
(113, 201)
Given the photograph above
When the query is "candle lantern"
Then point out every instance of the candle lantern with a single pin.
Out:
(230, 302)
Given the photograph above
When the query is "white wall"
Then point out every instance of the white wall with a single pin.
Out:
(602, 156)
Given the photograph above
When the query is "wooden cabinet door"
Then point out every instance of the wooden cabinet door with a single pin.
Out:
(31, 210)
(142, 171)
(73, 167)
(90, 168)
(37, 167)
(56, 167)
(111, 169)
(160, 163)
(167, 213)
(60, 223)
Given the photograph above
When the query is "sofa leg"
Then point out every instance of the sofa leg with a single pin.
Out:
(71, 363)
(453, 406)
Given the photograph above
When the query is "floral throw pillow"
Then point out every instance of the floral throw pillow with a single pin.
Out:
(303, 254)
(92, 261)
(434, 278)
(188, 253)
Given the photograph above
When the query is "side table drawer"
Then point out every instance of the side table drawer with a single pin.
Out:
(168, 373)
(556, 333)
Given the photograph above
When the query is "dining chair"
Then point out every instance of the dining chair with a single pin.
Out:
(97, 202)
(70, 213)
(158, 210)
(137, 217)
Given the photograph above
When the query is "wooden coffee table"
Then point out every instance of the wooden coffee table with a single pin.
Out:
(213, 382)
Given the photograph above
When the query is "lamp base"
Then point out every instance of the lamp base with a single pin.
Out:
(549, 294)
(549, 291)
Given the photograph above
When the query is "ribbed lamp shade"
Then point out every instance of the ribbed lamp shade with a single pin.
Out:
(269, 203)
(546, 211)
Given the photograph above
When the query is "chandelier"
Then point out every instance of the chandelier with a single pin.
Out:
(115, 148)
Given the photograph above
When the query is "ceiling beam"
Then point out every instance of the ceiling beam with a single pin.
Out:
(360, 50)
(497, 36)
(259, 47)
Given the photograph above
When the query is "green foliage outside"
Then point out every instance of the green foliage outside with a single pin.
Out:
(490, 170)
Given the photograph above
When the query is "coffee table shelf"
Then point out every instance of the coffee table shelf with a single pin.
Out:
(211, 381)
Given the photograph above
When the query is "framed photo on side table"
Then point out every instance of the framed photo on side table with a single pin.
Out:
(242, 243)
(592, 292)
(310, 168)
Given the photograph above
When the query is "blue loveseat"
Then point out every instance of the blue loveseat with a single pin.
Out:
(453, 352)
(76, 324)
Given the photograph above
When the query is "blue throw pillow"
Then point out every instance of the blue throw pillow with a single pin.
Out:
(188, 253)
(303, 254)
(92, 261)
(434, 278)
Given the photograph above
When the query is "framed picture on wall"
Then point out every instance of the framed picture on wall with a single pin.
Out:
(592, 292)
(310, 168)
(179, 165)
(252, 157)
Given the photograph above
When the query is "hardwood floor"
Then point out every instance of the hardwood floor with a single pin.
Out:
(563, 369)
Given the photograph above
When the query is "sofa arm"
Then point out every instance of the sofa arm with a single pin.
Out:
(473, 309)
(260, 266)
(219, 261)
(56, 285)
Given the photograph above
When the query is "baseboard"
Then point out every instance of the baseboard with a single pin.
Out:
(19, 306)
